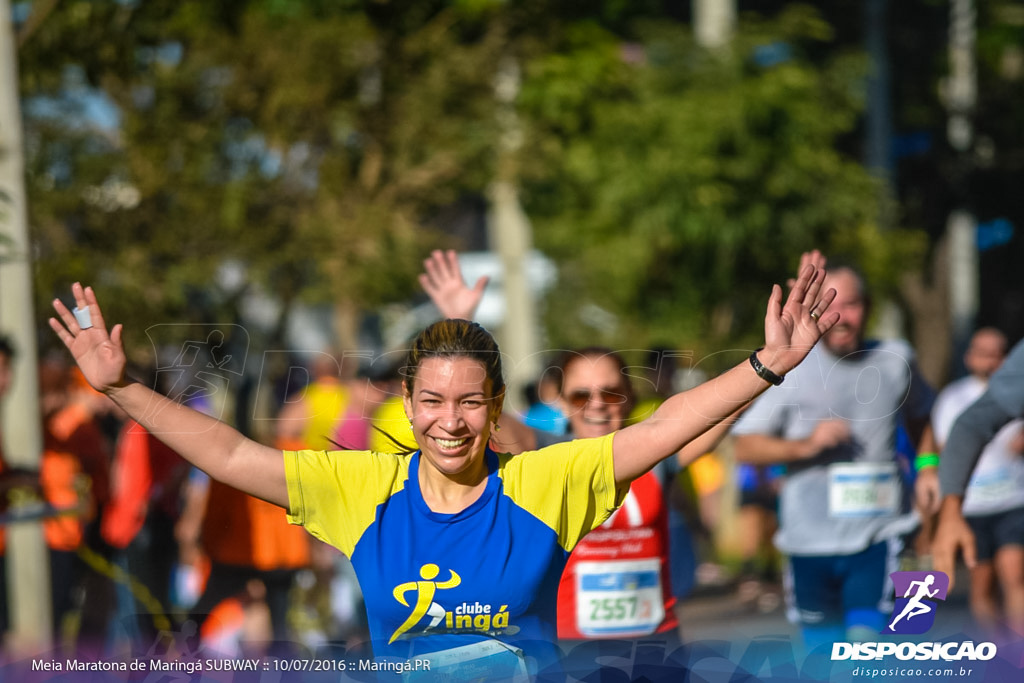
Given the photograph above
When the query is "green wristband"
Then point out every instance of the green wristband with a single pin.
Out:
(926, 460)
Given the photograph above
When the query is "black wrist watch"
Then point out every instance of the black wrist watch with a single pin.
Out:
(763, 372)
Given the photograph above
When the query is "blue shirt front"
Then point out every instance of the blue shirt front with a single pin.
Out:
(433, 581)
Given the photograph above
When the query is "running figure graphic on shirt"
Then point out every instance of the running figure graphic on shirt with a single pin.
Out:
(425, 604)
(915, 606)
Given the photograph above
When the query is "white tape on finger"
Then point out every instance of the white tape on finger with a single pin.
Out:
(83, 317)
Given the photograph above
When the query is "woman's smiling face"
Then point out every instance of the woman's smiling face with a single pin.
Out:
(451, 409)
(596, 396)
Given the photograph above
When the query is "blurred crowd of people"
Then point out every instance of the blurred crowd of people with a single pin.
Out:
(141, 542)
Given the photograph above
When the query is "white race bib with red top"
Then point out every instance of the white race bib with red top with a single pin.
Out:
(619, 598)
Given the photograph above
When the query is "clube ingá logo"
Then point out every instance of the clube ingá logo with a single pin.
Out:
(916, 596)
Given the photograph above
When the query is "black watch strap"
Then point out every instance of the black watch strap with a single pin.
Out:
(763, 372)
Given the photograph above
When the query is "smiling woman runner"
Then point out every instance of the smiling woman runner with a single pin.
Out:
(458, 549)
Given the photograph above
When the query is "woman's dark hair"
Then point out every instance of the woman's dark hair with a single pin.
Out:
(836, 266)
(451, 338)
(455, 338)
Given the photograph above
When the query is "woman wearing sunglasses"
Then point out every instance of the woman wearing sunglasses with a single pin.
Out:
(617, 583)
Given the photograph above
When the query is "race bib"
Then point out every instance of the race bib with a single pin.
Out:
(863, 489)
(619, 598)
(991, 488)
(487, 660)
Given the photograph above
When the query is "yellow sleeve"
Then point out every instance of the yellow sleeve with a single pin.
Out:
(335, 494)
(568, 486)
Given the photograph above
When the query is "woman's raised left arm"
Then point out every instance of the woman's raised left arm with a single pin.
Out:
(791, 330)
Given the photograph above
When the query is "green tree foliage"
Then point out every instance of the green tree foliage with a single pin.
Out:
(309, 141)
(675, 183)
(314, 142)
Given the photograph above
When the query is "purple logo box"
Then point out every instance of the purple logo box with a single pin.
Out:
(916, 593)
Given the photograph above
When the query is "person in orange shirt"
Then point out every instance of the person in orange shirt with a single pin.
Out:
(138, 523)
(74, 477)
(245, 538)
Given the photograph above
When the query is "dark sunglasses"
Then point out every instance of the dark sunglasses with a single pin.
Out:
(610, 396)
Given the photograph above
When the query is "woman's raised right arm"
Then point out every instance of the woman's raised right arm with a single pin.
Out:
(209, 444)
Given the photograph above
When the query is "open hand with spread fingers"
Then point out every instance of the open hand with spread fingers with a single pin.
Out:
(808, 258)
(793, 328)
(99, 355)
(444, 283)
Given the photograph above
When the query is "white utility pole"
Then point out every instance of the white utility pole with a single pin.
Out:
(511, 235)
(961, 228)
(714, 22)
(28, 580)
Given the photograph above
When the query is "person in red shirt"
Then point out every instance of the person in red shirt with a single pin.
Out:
(617, 582)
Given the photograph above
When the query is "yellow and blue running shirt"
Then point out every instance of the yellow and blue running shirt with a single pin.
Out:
(489, 572)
